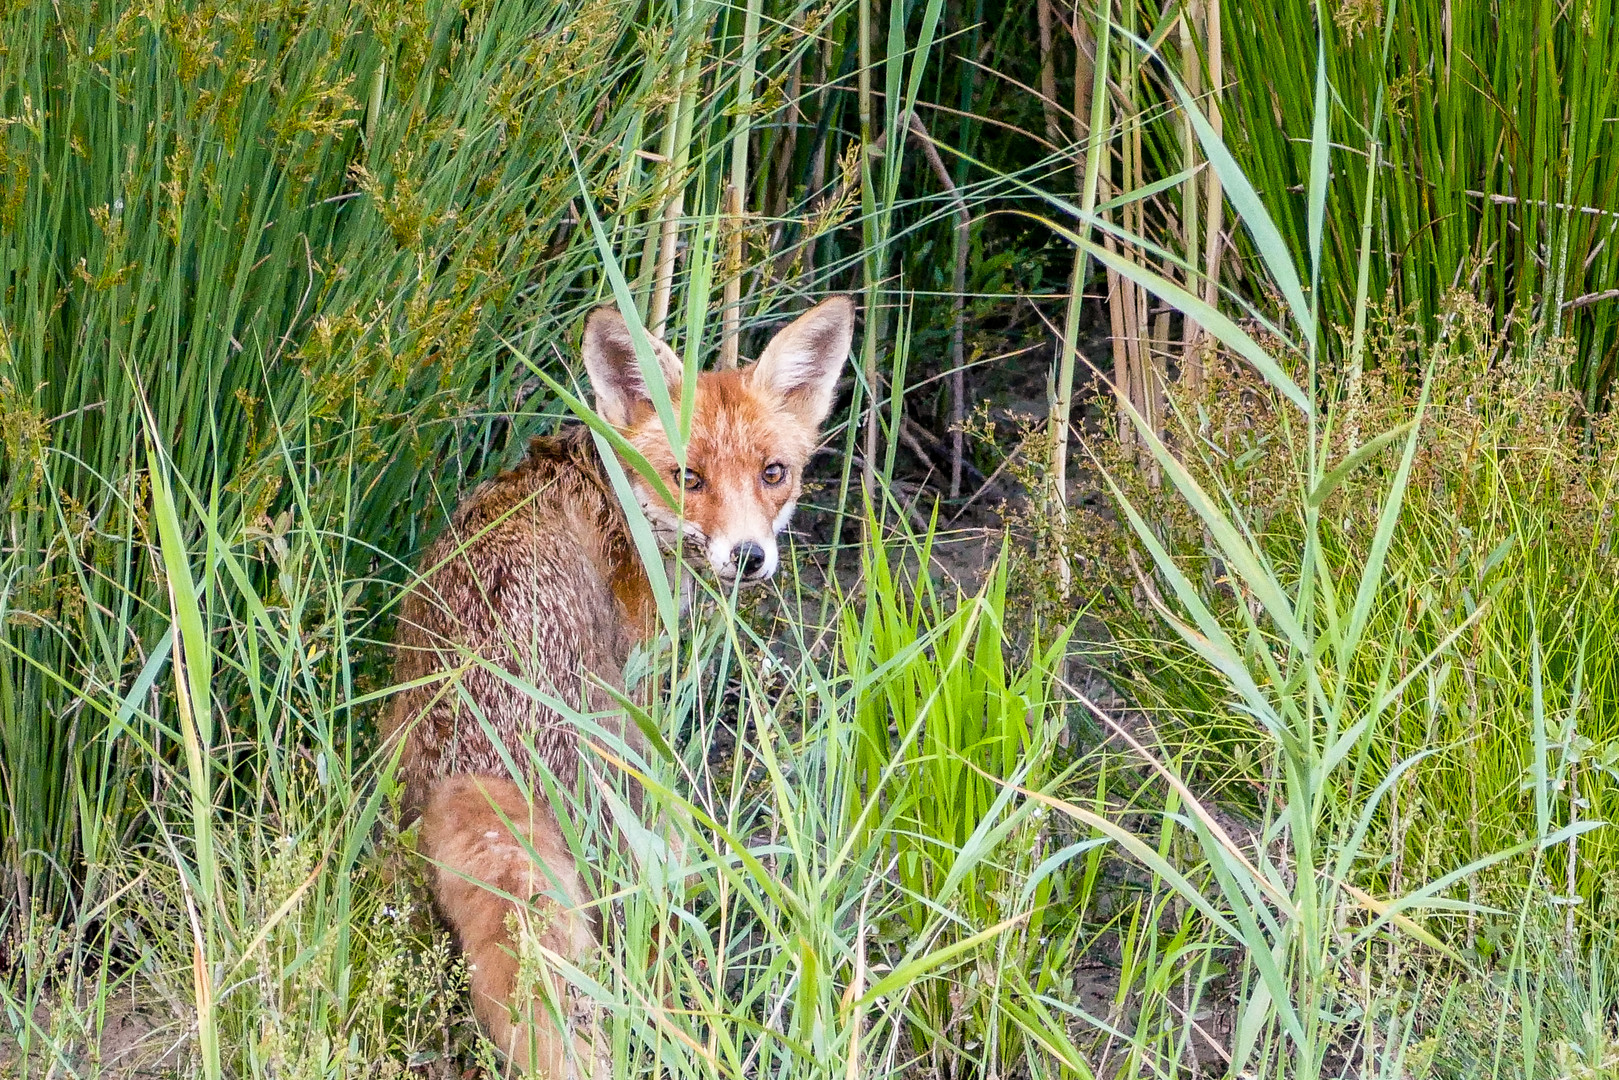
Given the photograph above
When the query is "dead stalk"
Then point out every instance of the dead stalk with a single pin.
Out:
(664, 280)
(958, 338)
(1048, 73)
(1192, 74)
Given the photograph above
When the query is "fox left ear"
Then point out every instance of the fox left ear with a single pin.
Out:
(802, 363)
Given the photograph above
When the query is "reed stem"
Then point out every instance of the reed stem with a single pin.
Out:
(736, 195)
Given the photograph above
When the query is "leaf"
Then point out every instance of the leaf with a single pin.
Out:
(1354, 460)
(1273, 250)
(1320, 169)
(1244, 562)
(1204, 314)
(1372, 574)
(651, 373)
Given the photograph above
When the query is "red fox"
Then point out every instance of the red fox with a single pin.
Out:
(537, 575)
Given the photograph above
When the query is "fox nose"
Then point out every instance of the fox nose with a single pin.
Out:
(749, 558)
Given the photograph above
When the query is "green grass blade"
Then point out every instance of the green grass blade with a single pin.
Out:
(1371, 578)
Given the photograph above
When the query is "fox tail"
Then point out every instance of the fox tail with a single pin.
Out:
(479, 832)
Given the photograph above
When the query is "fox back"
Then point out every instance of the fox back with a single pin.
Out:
(536, 576)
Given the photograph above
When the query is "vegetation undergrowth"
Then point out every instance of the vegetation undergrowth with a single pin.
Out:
(1262, 534)
(1498, 561)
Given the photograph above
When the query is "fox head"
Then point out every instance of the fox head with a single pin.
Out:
(752, 431)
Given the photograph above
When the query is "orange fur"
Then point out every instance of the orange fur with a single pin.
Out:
(536, 574)
(479, 831)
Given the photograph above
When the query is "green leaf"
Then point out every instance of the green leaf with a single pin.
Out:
(1320, 170)
(1273, 250)
(1205, 315)
(651, 371)
(1371, 578)
(1354, 460)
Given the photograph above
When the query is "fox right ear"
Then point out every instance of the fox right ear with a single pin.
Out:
(615, 373)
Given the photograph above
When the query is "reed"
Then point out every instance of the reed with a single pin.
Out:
(1494, 170)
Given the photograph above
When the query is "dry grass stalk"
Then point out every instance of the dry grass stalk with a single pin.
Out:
(958, 334)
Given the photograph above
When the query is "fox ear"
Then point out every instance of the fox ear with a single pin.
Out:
(801, 364)
(615, 373)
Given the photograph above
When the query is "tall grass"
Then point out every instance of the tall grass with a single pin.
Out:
(943, 735)
(270, 273)
(279, 241)
(310, 951)
(1497, 559)
(1494, 172)
(215, 248)
(1312, 653)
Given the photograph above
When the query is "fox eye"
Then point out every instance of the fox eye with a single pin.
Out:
(774, 473)
(691, 480)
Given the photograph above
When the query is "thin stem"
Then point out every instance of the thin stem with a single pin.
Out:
(1093, 137)
(1213, 238)
(664, 280)
(737, 194)
(868, 230)
(958, 335)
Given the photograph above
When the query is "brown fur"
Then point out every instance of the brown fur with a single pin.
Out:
(536, 575)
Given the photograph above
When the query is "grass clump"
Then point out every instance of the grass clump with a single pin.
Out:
(946, 735)
(1494, 565)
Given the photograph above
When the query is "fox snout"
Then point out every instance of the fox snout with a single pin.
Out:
(753, 560)
(748, 561)
(753, 430)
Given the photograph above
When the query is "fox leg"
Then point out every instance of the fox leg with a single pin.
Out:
(474, 852)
